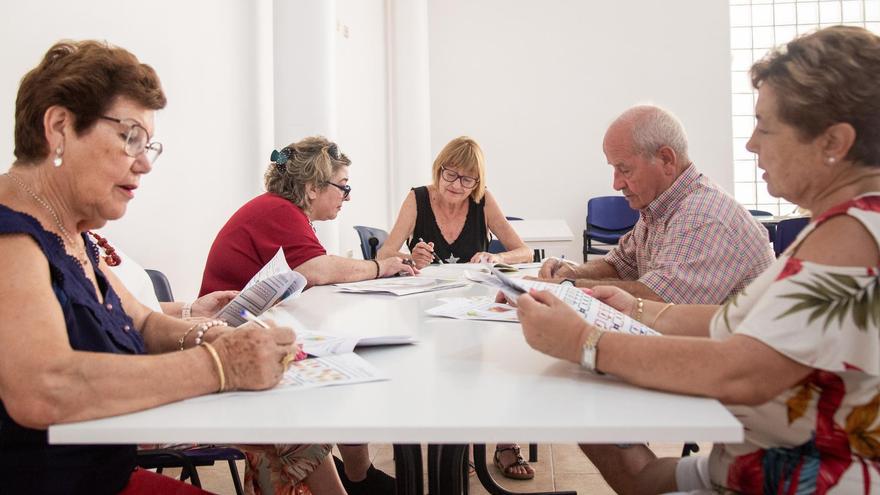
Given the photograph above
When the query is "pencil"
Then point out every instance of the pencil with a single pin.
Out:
(249, 317)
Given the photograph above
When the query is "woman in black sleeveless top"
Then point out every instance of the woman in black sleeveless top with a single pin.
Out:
(449, 221)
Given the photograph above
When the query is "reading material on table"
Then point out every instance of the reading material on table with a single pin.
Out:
(591, 309)
(474, 308)
(339, 369)
(402, 286)
(273, 283)
(324, 344)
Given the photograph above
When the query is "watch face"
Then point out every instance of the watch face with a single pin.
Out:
(569, 282)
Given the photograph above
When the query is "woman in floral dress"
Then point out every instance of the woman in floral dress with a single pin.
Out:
(796, 356)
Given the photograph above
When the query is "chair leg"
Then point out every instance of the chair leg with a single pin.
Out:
(236, 480)
(533, 452)
(688, 448)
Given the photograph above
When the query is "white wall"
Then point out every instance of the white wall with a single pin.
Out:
(205, 53)
(362, 117)
(537, 83)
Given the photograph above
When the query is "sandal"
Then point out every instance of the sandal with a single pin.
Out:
(508, 471)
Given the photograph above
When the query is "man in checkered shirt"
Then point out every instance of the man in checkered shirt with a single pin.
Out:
(693, 243)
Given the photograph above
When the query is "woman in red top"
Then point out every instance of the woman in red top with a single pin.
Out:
(305, 182)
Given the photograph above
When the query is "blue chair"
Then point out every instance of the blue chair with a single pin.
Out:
(161, 285)
(495, 245)
(187, 459)
(786, 232)
(371, 240)
(608, 219)
(771, 227)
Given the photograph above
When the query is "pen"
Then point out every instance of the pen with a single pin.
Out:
(249, 317)
(436, 258)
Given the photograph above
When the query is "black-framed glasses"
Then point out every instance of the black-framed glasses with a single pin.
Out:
(137, 140)
(467, 182)
(346, 189)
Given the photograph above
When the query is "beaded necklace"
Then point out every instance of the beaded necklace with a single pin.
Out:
(84, 260)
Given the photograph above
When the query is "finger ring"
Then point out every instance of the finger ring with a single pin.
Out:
(287, 359)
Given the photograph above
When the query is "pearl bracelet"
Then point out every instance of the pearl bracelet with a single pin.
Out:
(200, 329)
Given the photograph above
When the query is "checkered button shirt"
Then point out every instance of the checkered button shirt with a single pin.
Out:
(694, 244)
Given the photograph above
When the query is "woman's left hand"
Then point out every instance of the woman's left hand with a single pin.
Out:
(484, 257)
(551, 326)
(209, 304)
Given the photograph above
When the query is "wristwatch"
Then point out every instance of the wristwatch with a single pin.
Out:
(568, 281)
(589, 351)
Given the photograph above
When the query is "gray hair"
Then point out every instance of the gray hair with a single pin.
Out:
(653, 128)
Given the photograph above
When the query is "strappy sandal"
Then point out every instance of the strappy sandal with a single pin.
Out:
(508, 470)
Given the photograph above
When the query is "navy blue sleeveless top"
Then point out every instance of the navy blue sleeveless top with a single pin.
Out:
(474, 236)
(28, 464)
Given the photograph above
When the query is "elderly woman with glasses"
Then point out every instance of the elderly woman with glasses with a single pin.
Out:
(75, 344)
(448, 221)
(305, 182)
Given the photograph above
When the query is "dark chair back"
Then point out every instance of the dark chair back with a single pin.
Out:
(371, 240)
(786, 232)
(608, 219)
(495, 245)
(161, 285)
(771, 227)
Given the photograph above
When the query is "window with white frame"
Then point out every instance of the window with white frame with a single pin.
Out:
(756, 26)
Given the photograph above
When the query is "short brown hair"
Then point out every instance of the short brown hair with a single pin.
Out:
(313, 160)
(83, 77)
(828, 77)
(463, 153)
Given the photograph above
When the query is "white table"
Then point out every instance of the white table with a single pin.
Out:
(465, 382)
(551, 235)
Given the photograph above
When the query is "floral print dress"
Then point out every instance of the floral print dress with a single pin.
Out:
(823, 435)
(281, 469)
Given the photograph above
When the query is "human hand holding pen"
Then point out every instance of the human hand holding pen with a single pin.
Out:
(423, 253)
(557, 268)
(296, 353)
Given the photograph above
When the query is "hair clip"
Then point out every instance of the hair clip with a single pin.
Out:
(279, 158)
(333, 151)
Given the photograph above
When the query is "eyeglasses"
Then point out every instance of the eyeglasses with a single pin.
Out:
(452, 176)
(346, 189)
(137, 140)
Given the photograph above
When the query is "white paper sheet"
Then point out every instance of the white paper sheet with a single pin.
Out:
(402, 286)
(273, 283)
(474, 308)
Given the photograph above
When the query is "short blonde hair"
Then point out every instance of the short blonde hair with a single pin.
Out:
(314, 160)
(828, 77)
(465, 154)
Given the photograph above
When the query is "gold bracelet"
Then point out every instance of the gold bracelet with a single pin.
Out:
(182, 339)
(217, 364)
(664, 308)
(640, 309)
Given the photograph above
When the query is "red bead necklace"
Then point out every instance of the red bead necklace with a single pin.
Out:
(110, 255)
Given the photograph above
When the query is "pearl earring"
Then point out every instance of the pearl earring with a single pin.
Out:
(57, 161)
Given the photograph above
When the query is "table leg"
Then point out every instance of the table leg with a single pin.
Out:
(408, 469)
(451, 470)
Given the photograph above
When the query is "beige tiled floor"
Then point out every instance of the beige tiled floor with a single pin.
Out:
(559, 467)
